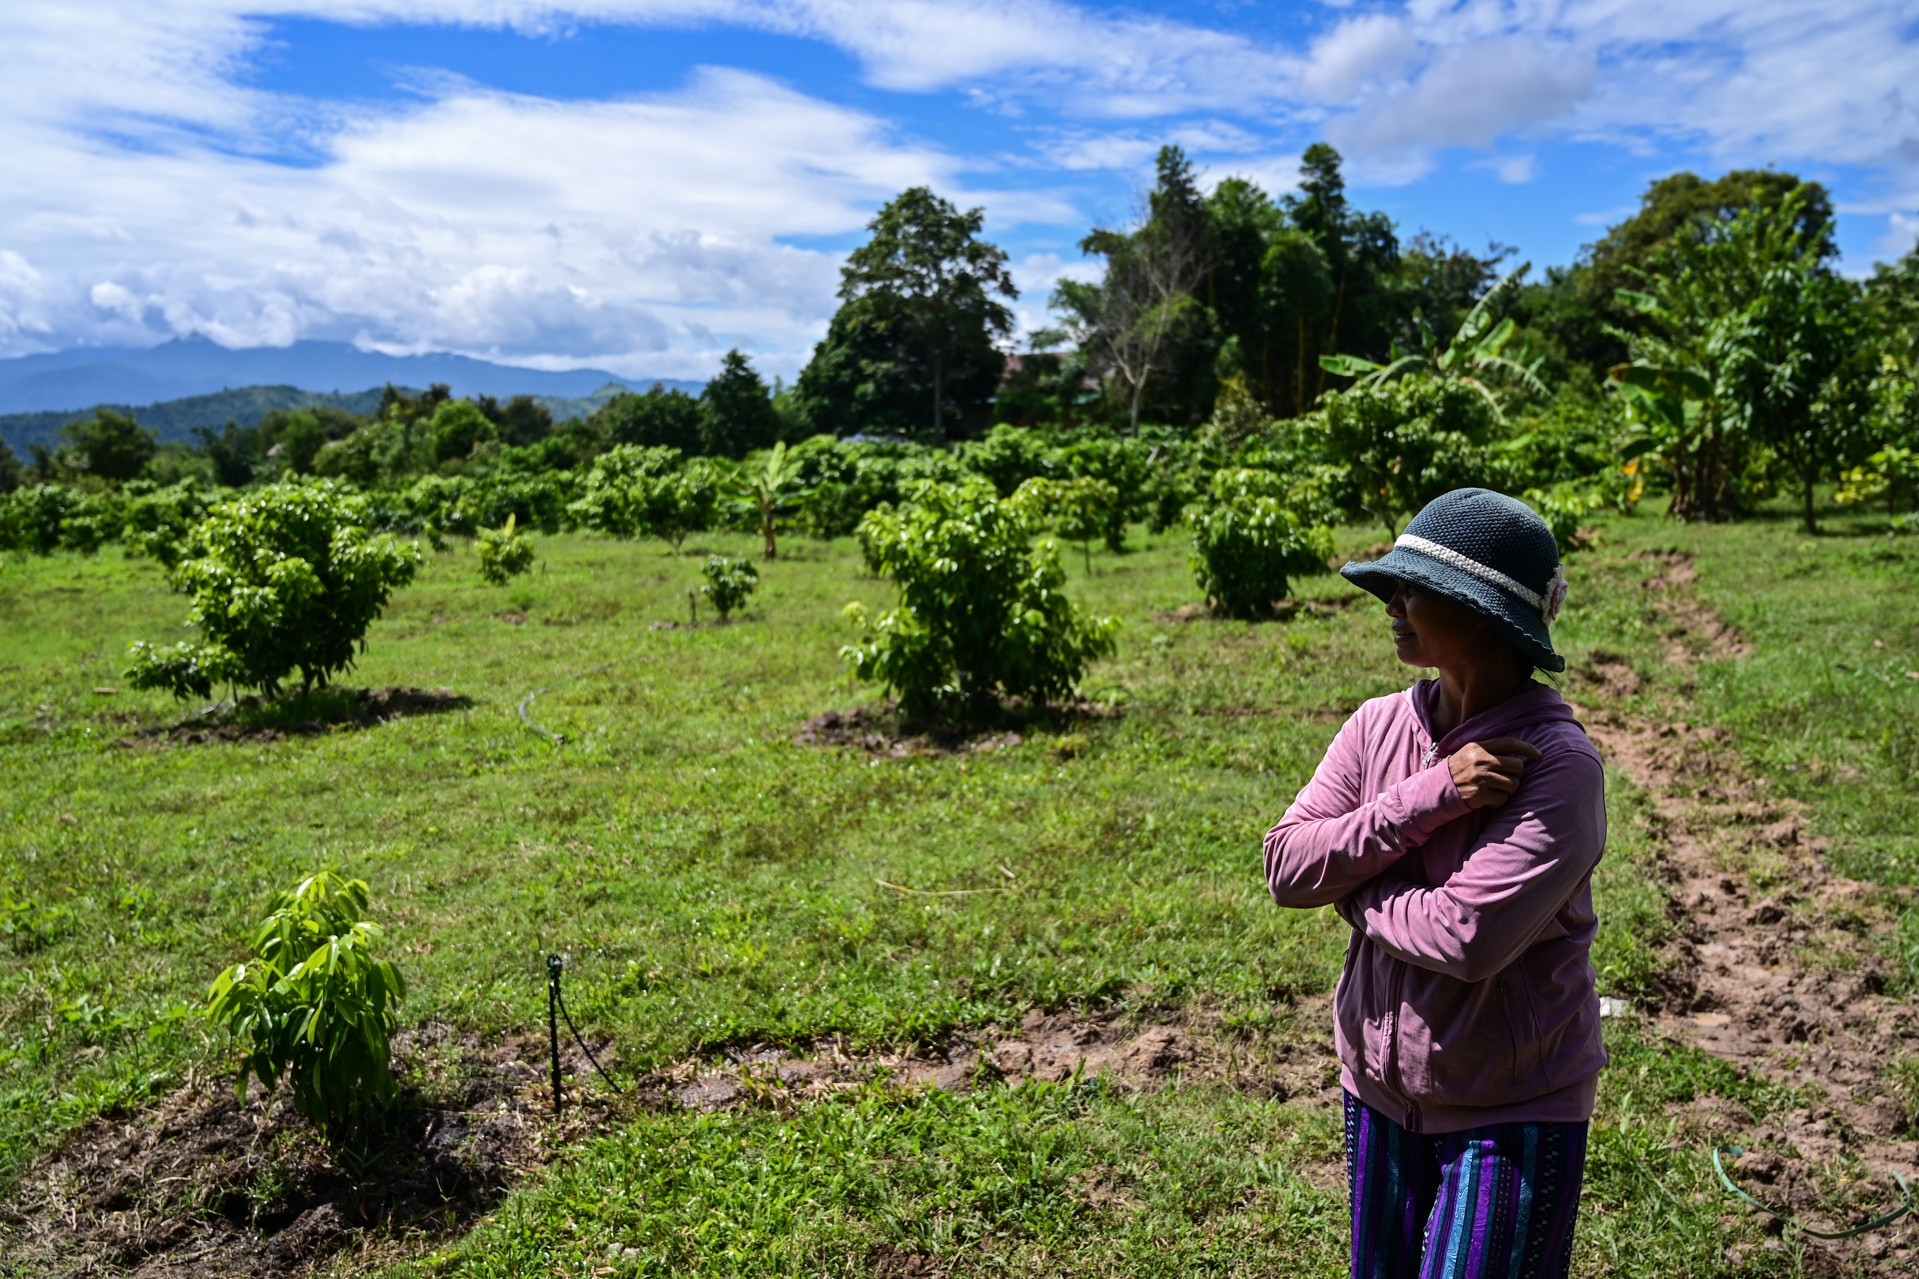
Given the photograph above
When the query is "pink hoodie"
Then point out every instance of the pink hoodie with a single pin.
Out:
(1468, 994)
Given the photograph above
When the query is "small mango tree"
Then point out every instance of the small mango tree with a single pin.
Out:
(1084, 509)
(729, 583)
(981, 616)
(1248, 543)
(314, 1007)
(284, 581)
(1405, 442)
(504, 552)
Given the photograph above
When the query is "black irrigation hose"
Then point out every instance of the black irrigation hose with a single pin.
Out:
(556, 1002)
(551, 736)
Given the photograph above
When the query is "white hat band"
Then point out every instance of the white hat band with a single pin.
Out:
(1485, 573)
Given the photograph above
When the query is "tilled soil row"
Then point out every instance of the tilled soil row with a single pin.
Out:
(205, 1184)
(1778, 964)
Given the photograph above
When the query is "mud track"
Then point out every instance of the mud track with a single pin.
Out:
(1779, 965)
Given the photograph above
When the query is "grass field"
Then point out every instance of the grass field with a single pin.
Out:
(714, 883)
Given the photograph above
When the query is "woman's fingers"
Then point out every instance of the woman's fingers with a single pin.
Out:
(1487, 773)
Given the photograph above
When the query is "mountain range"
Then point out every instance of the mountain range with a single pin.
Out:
(192, 382)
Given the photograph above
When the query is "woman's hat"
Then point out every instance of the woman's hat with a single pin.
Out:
(1487, 551)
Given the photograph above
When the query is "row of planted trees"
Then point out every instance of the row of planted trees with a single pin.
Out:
(1734, 361)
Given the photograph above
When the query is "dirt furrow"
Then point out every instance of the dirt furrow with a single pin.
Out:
(1779, 964)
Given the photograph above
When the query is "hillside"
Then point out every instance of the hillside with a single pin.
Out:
(177, 419)
(66, 384)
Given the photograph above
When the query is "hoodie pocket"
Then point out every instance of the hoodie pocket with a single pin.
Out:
(1522, 1023)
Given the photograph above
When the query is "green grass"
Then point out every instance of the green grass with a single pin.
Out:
(714, 883)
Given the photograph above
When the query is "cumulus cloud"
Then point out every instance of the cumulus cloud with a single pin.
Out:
(1359, 53)
(1901, 238)
(1514, 170)
(481, 222)
(1037, 275)
(1471, 95)
(152, 192)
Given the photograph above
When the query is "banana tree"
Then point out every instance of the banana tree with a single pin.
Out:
(767, 489)
(1741, 327)
(1475, 355)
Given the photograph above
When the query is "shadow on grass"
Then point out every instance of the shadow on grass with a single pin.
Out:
(308, 714)
(879, 729)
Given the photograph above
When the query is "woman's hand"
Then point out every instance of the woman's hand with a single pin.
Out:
(1487, 773)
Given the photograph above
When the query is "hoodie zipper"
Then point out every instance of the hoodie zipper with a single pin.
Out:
(1392, 1054)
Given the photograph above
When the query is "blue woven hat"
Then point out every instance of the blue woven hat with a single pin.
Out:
(1487, 551)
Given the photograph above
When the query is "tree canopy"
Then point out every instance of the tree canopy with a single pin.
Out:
(912, 345)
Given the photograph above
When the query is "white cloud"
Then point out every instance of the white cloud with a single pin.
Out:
(1901, 238)
(503, 226)
(1036, 275)
(1514, 170)
(1471, 95)
(1359, 53)
(146, 192)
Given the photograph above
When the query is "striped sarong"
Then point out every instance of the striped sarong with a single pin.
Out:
(1496, 1202)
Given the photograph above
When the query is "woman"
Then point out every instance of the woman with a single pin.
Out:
(1455, 826)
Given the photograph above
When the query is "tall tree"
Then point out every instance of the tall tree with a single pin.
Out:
(110, 445)
(1362, 256)
(1139, 321)
(736, 410)
(921, 308)
(1678, 206)
(661, 418)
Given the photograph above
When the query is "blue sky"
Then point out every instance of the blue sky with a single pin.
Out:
(640, 184)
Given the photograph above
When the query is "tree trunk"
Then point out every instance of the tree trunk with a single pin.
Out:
(1299, 386)
(938, 397)
(1809, 474)
(767, 531)
(1332, 334)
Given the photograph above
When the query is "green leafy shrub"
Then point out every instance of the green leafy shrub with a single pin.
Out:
(728, 583)
(157, 522)
(1083, 510)
(44, 518)
(504, 552)
(1406, 442)
(458, 427)
(1564, 507)
(1248, 543)
(285, 579)
(1009, 456)
(635, 490)
(315, 1007)
(981, 614)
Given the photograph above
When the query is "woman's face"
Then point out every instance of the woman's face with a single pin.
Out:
(1431, 630)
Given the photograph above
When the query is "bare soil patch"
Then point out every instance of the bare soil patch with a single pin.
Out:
(1282, 610)
(1779, 964)
(1693, 631)
(206, 1185)
(1129, 1052)
(253, 719)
